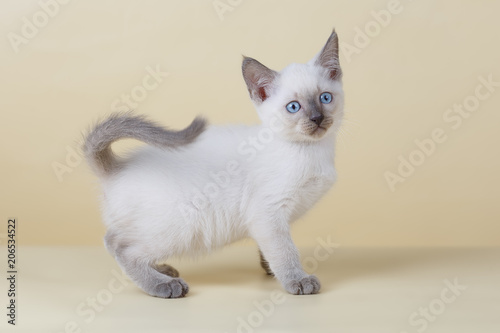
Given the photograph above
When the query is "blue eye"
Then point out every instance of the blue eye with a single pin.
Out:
(293, 107)
(325, 98)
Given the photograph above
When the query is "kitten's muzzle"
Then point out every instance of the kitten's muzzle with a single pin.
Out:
(319, 127)
(317, 118)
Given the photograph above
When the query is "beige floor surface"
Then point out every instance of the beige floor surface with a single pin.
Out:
(81, 289)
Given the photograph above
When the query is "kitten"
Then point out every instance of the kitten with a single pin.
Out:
(192, 191)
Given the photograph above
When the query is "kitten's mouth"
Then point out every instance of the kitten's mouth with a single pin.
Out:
(314, 131)
(318, 131)
(319, 128)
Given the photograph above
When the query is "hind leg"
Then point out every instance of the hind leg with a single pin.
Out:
(265, 264)
(159, 281)
(167, 270)
(156, 280)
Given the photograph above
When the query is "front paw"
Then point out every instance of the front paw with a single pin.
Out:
(305, 286)
(172, 288)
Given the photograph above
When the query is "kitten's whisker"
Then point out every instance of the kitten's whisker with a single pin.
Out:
(342, 138)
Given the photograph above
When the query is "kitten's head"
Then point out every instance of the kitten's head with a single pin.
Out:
(306, 98)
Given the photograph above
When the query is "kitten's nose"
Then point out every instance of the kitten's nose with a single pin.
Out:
(317, 118)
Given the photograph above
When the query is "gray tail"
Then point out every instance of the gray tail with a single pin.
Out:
(97, 143)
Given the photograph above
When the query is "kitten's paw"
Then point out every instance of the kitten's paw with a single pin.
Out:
(174, 288)
(306, 286)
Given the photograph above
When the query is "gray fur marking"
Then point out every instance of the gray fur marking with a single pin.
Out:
(97, 146)
(306, 286)
(167, 270)
(259, 79)
(329, 57)
(159, 280)
(265, 265)
(314, 107)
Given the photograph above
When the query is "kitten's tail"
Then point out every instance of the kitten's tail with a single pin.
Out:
(97, 143)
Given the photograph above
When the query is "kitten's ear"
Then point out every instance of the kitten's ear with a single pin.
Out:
(329, 57)
(259, 79)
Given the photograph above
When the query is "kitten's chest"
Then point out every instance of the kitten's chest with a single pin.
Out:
(311, 183)
(304, 191)
(289, 179)
(303, 181)
(311, 170)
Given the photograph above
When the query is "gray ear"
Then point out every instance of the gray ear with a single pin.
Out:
(259, 79)
(329, 56)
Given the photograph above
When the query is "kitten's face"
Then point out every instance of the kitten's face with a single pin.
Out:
(306, 100)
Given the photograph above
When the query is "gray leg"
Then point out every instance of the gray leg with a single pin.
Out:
(167, 270)
(156, 280)
(265, 265)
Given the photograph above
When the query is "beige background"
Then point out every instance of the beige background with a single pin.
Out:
(398, 88)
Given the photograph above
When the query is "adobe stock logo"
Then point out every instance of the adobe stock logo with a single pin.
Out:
(263, 309)
(454, 118)
(222, 7)
(426, 315)
(89, 309)
(31, 26)
(247, 150)
(72, 160)
(363, 37)
(150, 81)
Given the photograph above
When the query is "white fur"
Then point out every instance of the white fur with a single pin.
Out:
(159, 189)
(166, 203)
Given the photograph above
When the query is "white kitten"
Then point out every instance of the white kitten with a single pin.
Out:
(192, 191)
